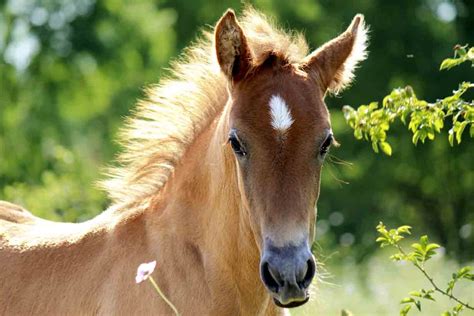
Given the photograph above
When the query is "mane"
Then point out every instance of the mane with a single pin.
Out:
(176, 110)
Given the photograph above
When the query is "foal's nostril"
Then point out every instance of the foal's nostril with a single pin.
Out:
(269, 278)
(310, 271)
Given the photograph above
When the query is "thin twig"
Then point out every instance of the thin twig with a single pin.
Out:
(435, 286)
(157, 288)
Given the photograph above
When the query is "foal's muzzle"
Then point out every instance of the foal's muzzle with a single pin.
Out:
(287, 273)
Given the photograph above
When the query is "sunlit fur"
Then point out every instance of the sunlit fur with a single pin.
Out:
(338, 58)
(181, 197)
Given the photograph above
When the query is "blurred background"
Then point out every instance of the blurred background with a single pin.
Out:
(71, 70)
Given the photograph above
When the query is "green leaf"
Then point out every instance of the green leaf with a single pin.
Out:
(382, 229)
(469, 277)
(428, 296)
(404, 229)
(432, 247)
(346, 312)
(375, 147)
(449, 63)
(418, 305)
(460, 130)
(404, 311)
(464, 273)
(397, 257)
(416, 137)
(431, 135)
(424, 241)
(450, 287)
(411, 257)
(470, 53)
(458, 308)
(451, 136)
(438, 123)
(407, 300)
(415, 293)
(417, 246)
(386, 148)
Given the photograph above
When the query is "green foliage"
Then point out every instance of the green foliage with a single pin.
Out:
(420, 253)
(425, 119)
(461, 54)
(60, 107)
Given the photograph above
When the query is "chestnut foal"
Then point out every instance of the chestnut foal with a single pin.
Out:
(218, 184)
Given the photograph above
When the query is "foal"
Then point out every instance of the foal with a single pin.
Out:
(219, 183)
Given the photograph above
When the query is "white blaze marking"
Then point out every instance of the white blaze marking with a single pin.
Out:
(281, 116)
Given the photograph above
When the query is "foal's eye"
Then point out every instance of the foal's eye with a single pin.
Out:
(237, 146)
(326, 144)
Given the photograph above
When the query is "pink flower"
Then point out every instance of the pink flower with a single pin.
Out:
(144, 271)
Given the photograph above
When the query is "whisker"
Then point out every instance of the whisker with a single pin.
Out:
(336, 160)
(323, 275)
(339, 181)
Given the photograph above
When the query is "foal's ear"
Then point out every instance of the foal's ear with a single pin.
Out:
(334, 62)
(233, 52)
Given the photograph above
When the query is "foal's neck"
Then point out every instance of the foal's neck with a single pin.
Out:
(224, 199)
(207, 179)
(206, 183)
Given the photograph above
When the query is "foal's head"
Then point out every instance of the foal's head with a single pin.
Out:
(280, 133)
